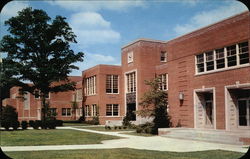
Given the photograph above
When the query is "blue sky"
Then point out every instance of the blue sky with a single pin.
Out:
(103, 27)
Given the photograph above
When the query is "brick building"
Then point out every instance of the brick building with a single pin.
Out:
(206, 74)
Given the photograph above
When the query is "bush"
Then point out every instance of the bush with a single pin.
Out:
(59, 122)
(107, 127)
(51, 124)
(6, 124)
(115, 127)
(124, 127)
(94, 121)
(139, 130)
(120, 127)
(15, 125)
(31, 123)
(71, 121)
(24, 125)
(37, 124)
(126, 120)
(9, 118)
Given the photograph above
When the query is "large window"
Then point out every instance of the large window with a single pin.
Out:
(112, 84)
(223, 58)
(112, 110)
(94, 110)
(90, 85)
(87, 111)
(131, 82)
(66, 111)
(79, 95)
(163, 85)
(163, 56)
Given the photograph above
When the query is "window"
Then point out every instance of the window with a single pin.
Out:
(66, 111)
(37, 95)
(163, 56)
(53, 111)
(220, 58)
(223, 58)
(94, 110)
(79, 95)
(231, 56)
(90, 85)
(112, 84)
(26, 100)
(87, 111)
(200, 63)
(209, 60)
(163, 85)
(130, 57)
(131, 82)
(243, 53)
(112, 110)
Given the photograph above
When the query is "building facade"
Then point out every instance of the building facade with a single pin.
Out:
(206, 74)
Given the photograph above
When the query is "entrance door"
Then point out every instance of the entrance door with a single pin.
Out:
(209, 113)
(131, 108)
(244, 112)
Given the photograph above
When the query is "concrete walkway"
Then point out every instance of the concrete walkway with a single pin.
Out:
(157, 143)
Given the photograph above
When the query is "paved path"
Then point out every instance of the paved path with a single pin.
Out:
(136, 142)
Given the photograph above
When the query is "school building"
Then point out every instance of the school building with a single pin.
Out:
(206, 74)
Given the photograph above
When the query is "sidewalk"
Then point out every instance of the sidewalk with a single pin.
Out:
(157, 143)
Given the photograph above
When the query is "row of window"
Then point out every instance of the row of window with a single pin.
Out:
(111, 110)
(227, 57)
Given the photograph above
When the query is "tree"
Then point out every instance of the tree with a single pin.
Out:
(154, 103)
(40, 50)
(9, 117)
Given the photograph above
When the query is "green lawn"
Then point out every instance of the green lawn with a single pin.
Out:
(100, 128)
(138, 134)
(51, 137)
(75, 124)
(123, 154)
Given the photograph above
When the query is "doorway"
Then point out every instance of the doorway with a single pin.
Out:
(131, 108)
(244, 112)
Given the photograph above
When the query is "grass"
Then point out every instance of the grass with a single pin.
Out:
(75, 124)
(51, 137)
(100, 128)
(138, 134)
(124, 153)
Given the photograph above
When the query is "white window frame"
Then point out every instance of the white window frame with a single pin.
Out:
(226, 67)
(164, 53)
(94, 110)
(90, 85)
(67, 110)
(131, 82)
(87, 111)
(161, 87)
(112, 84)
(112, 110)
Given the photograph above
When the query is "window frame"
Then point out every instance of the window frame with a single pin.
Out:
(111, 108)
(67, 112)
(131, 82)
(164, 53)
(112, 79)
(227, 54)
(90, 85)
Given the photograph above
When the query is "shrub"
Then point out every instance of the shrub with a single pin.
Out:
(148, 130)
(96, 120)
(37, 124)
(59, 122)
(51, 124)
(120, 127)
(139, 130)
(15, 125)
(115, 127)
(24, 125)
(71, 121)
(31, 123)
(107, 127)
(9, 117)
(6, 124)
(133, 126)
(126, 120)
(124, 127)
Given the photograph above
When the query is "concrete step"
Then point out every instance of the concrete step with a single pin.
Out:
(216, 136)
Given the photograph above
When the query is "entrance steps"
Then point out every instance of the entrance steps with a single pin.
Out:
(217, 136)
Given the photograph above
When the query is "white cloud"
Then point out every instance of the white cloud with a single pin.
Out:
(91, 28)
(11, 9)
(189, 2)
(208, 17)
(117, 5)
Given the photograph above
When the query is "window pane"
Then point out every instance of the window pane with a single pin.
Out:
(115, 83)
(210, 56)
(219, 53)
(63, 111)
(244, 53)
(68, 111)
(210, 66)
(115, 109)
(200, 67)
(109, 110)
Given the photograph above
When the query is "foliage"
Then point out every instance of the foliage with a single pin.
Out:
(127, 120)
(154, 103)
(9, 118)
(59, 123)
(39, 51)
(94, 121)
(24, 125)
